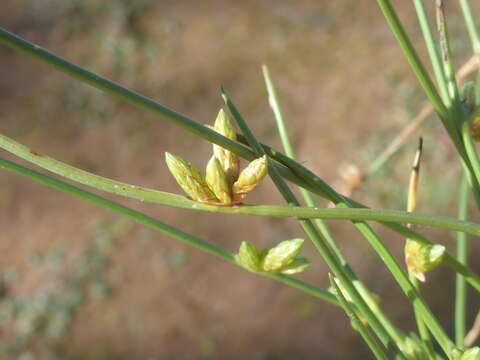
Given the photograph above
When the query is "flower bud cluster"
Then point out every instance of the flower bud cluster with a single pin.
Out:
(282, 258)
(421, 258)
(223, 183)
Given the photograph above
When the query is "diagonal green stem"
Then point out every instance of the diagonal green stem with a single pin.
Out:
(173, 200)
(320, 244)
(157, 225)
(287, 145)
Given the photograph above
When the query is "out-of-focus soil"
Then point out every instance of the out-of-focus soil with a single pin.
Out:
(346, 91)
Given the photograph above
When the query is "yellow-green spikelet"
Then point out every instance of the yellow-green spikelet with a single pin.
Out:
(249, 178)
(190, 179)
(217, 181)
(230, 162)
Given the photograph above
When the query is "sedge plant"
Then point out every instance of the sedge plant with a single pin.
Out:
(225, 188)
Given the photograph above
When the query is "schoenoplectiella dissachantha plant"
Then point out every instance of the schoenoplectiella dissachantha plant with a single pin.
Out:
(223, 183)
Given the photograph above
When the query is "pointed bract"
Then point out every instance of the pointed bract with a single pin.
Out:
(248, 256)
(230, 162)
(282, 255)
(217, 181)
(190, 179)
(249, 178)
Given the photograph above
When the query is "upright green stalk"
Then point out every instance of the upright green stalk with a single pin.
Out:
(462, 257)
(448, 67)
(432, 49)
(471, 26)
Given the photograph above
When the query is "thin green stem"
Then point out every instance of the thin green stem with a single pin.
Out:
(157, 225)
(320, 243)
(173, 200)
(432, 49)
(462, 257)
(471, 26)
(448, 67)
(357, 324)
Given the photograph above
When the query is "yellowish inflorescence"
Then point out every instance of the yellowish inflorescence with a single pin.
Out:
(223, 183)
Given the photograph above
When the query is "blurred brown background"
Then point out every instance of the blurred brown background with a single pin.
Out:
(81, 283)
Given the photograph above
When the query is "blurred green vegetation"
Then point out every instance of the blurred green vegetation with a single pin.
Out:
(77, 284)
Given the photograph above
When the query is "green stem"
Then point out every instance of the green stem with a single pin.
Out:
(462, 257)
(471, 26)
(157, 225)
(320, 244)
(309, 200)
(446, 57)
(432, 49)
(357, 324)
(173, 200)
